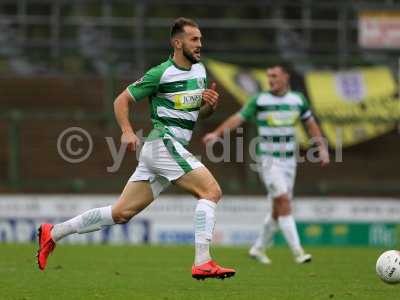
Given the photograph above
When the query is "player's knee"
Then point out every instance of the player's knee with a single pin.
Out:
(282, 205)
(213, 193)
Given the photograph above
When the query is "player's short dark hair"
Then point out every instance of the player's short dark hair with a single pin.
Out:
(179, 24)
(283, 66)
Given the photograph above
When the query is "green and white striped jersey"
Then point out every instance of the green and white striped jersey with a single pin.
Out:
(276, 117)
(175, 96)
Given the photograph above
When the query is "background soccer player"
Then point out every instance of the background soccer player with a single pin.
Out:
(276, 113)
(177, 95)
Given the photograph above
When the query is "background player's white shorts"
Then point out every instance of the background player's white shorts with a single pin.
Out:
(278, 175)
(161, 161)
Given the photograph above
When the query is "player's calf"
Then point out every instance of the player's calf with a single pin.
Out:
(122, 217)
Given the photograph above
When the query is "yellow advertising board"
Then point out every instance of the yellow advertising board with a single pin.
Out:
(353, 105)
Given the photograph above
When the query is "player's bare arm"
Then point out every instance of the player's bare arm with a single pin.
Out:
(121, 110)
(315, 133)
(231, 123)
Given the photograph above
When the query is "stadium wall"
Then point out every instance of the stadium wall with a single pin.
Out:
(321, 220)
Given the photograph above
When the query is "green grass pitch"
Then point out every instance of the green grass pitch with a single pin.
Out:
(155, 272)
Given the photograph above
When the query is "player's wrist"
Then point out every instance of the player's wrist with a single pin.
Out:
(127, 130)
(321, 144)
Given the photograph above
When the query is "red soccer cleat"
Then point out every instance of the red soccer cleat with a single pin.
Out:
(46, 245)
(211, 270)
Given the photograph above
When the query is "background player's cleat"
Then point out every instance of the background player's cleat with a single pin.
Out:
(211, 270)
(259, 255)
(303, 258)
(46, 245)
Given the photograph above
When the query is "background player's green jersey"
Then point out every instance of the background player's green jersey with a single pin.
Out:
(276, 117)
(175, 96)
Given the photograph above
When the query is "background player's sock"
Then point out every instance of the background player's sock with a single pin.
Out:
(267, 232)
(204, 221)
(90, 220)
(289, 230)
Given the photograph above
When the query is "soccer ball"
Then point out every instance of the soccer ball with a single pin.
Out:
(388, 266)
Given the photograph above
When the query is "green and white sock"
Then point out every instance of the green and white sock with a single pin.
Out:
(91, 220)
(270, 226)
(289, 230)
(204, 221)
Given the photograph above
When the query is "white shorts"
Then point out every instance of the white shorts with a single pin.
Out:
(278, 175)
(161, 161)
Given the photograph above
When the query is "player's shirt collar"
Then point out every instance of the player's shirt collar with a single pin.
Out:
(279, 96)
(177, 66)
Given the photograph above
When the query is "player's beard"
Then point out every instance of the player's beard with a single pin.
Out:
(189, 56)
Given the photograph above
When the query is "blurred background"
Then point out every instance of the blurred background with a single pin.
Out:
(62, 63)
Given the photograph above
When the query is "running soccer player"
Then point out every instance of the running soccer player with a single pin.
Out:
(177, 94)
(275, 112)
